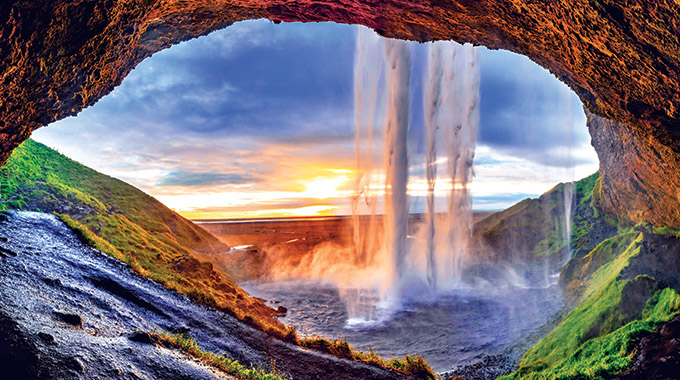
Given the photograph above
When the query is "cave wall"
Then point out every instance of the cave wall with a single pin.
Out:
(639, 174)
(621, 57)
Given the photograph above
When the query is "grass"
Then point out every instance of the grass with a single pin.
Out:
(536, 228)
(594, 340)
(584, 188)
(601, 296)
(412, 365)
(608, 355)
(89, 238)
(223, 362)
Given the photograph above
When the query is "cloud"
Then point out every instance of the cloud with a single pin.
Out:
(526, 112)
(184, 178)
(261, 109)
(250, 78)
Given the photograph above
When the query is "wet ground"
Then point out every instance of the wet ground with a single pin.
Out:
(456, 329)
(68, 311)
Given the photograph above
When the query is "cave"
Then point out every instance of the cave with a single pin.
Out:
(622, 60)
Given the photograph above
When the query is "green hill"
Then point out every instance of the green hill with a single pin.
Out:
(620, 284)
(128, 224)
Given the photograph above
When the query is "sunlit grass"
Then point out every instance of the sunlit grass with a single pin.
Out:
(595, 339)
(223, 362)
(608, 355)
(413, 365)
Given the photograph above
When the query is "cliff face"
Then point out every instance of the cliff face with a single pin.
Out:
(639, 173)
(623, 60)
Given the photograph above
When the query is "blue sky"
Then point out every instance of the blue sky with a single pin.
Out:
(259, 116)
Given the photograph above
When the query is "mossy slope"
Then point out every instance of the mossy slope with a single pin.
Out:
(621, 290)
(619, 284)
(532, 235)
(128, 224)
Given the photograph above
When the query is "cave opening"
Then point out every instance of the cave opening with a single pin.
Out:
(256, 122)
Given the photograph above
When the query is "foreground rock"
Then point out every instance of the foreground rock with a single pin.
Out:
(657, 356)
(68, 311)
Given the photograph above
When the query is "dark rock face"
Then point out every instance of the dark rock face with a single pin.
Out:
(657, 355)
(623, 59)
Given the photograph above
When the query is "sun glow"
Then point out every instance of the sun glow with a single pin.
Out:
(315, 210)
(299, 197)
(327, 187)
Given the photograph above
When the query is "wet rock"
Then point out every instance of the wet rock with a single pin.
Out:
(281, 311)
(47, 338)
(4, 252)
(71, 319)
(143, 337)
(183, 330)
(33, 306)
(489, 368)
(18, 358)
(657, 355)
(4, 239)
(51, 281)
(127, 294)
(74, 364)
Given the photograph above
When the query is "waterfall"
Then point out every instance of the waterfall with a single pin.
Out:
(382, 243)
(368, 70)
(451, 106)
(460, 120)
(398, 57)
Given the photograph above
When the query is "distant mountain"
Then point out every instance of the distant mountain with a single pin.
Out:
(532, 235)
(139, 230)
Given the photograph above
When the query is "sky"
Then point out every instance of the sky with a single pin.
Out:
(257, 120)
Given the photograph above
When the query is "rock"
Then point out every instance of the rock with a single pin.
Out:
(74, 364)
(28, 307)
(47, 338)
(4, 252)
(143, 337)
(657, 355)
(71, 319)
(51, 282)
(490, 367)
(4, 239)
(281, 311)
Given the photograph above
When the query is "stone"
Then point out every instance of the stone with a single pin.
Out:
(70, 319)
(47, 338)
(143, 337)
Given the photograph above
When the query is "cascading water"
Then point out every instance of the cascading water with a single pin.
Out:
(398, 56)
(451, 113)
(456, 114)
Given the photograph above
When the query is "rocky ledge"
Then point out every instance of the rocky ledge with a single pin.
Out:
(68, 311)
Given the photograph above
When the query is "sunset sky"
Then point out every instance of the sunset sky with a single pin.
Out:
(257, 120)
